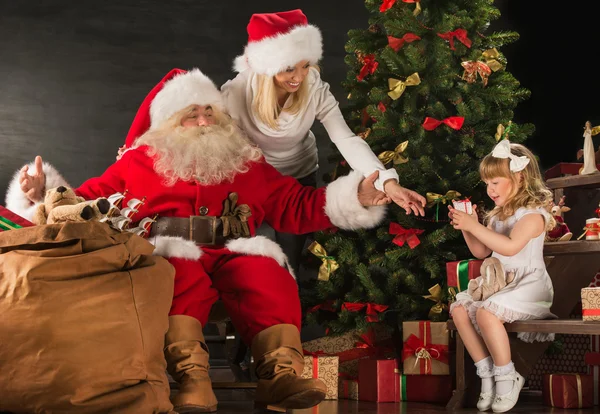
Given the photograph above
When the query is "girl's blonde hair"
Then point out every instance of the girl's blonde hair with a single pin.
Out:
(266, 106)
(528, 187)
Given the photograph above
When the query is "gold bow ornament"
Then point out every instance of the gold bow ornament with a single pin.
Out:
(501, 132)
(329, 264)
(397, 87)
(396, 155)
(435, 294)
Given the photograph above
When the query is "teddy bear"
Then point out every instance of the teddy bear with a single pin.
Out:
(493, 278)
(61, 204)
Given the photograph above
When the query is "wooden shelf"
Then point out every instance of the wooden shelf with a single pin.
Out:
(571, 247)
(558, 326)
(585, 181)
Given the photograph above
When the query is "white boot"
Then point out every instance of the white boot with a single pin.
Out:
(506, 402)
(486, 399)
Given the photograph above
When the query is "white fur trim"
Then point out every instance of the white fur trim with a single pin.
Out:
(183, 90)
(171, 246)
(16, 200)
(343, 208)
(260, 246)
(275, 54)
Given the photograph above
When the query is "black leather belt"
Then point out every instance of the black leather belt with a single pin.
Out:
(202, 230)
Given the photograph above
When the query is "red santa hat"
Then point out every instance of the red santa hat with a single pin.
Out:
(176, 91)
(277, 41)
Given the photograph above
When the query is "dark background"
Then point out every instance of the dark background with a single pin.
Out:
(74, 72)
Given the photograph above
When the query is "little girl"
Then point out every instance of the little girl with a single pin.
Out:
(515, 236)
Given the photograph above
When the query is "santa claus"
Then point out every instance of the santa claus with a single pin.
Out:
(211, 189)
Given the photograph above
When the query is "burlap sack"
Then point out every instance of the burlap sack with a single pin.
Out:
(83, 315)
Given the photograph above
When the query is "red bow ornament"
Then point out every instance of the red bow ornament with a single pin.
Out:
(326, 306)
(415, 346)
(386, 5)
(397, 43)
(459, 34)
(408, 236)
(373, 309)
(454, 122)
(369, 66)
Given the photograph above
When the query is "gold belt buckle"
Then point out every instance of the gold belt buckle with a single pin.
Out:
(212, 227)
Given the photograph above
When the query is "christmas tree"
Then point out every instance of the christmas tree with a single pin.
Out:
(430, 92)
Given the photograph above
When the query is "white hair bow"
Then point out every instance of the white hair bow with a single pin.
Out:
(502, 150)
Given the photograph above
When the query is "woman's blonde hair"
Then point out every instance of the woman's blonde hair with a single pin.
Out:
(528, 187)
(266, 106)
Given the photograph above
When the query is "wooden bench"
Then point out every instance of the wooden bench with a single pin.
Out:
(571, 266)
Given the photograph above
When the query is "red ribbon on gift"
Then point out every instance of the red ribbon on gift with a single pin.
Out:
(459, 34)
(397, 43)
(408, 236)
(423, 349)
(386, 5)
(372, 309)
(454, 122)
(369, 66)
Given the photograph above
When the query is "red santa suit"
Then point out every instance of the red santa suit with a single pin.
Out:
(248, 274)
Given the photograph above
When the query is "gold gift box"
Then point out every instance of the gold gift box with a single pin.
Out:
(590, 304)
(325, 368)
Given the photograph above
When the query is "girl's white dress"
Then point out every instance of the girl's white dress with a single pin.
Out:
(530, 294)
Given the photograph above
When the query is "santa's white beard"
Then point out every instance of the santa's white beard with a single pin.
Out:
(208, 155)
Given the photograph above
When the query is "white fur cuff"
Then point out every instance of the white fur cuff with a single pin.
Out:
(171, 246)
(260, 246)
(17, 202)
(343, 208)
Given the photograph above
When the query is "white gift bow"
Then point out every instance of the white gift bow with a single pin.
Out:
(502, 150)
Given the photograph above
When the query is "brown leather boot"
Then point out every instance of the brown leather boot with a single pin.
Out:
(187, 362)
(277, 353)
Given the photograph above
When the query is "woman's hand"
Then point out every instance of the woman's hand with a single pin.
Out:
(409, 200)
(368, 195)
(463, 221)
(33, 185)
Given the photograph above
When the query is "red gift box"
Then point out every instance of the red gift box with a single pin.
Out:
(423, 388)
(12, 221)
(376, 380)
(380, 380)
(459, 273)
(568, 390)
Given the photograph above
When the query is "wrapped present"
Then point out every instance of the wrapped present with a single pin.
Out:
(459, 273)
(568, 390)
(423, 388)
(463, 205)
(12, 221)
(425, 349)
(324, 368)
(590, 303)
(347, 387)
(377, 380)
(352, 346)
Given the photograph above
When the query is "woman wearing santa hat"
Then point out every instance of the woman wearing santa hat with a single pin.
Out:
(276, 98)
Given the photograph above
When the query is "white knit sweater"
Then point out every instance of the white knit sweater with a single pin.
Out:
(292, 149)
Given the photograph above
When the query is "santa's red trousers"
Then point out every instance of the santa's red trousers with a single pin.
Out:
(255, 290)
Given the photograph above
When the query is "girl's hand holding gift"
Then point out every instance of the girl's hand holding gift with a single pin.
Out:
(463, 221)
